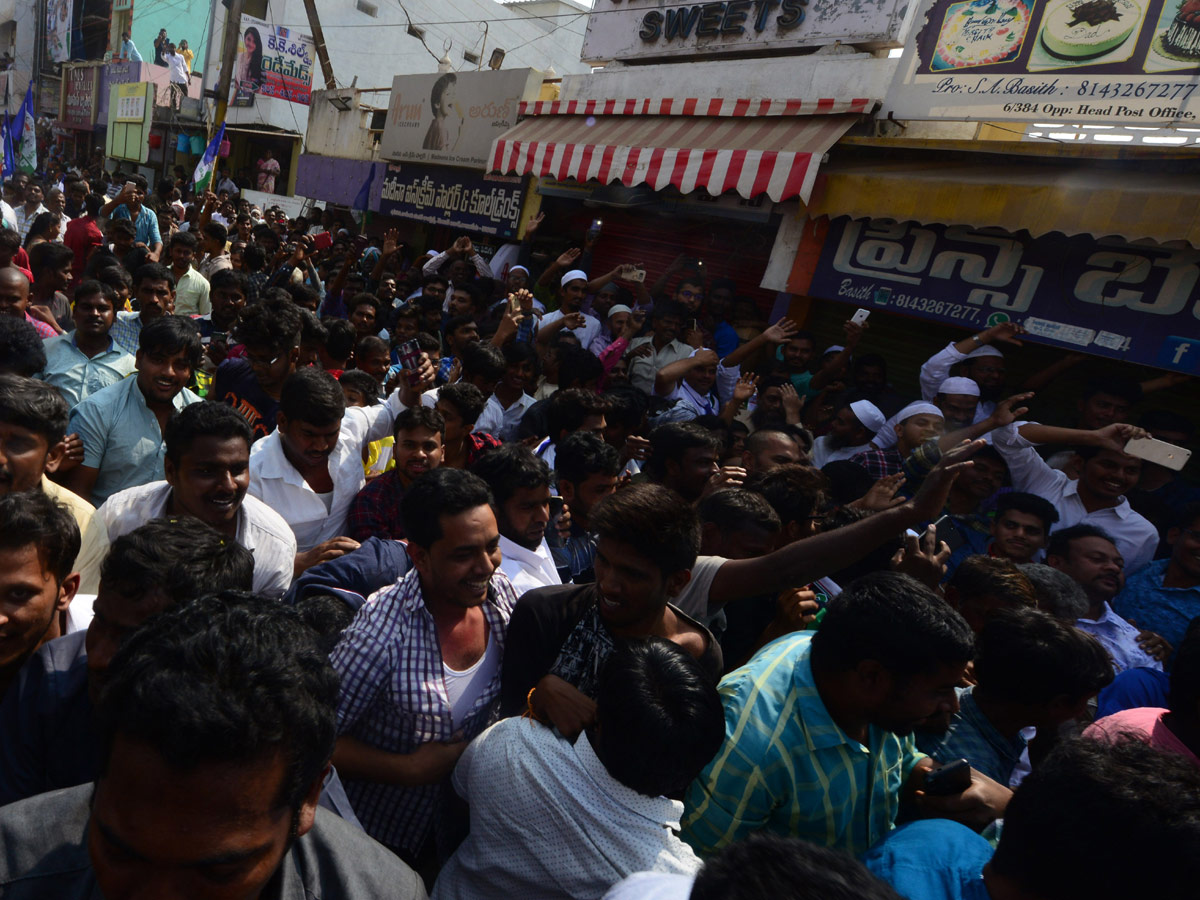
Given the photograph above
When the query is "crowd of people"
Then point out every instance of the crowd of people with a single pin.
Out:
(333, 568)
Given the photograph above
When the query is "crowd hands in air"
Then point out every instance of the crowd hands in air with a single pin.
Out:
(328, 567)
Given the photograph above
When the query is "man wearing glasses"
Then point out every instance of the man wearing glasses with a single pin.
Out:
(270, 335)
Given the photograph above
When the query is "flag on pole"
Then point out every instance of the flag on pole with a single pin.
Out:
(204, 169)
(26, 124)
(9, 149)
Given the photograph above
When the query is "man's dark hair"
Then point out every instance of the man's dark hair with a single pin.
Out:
(339, 343)
(626, 406)
(567, 411)
(766, 865)
(734, 510)
(34, 405)
(273, 324)
(435, 278)
(303, 295)
(230, 278)
(652, 694)
(1057, 592)
(168, 335)
(90, 287)
(577, 366)
(139, 181)
(428, 343)
(92, 204)
(21, 349)
(371, 344)
(216, 231)
(796, 492)
(668, 309)
(1060, 541)
(10, 240)
(1119, 386)
(312, 395)
(34, 517)
(1167, 420)
(991, 576)
(1129, 804)
(436, 493)
(582, 454)
(517, 352)
(1187, 516)
(230, 678)
(115, 277)
(363, 299)
(254, 258)
(153, 272)
(848, 481)
(480, 360)
(1030, 504)
(183, 239)
(48, 256)
(473, 292)
(1028, 657)
(312, 332)
(466, 398)
(509, 468)
(358, 380)
(653, 519)
(206, 419)
(420, 417)
(180, 557)
(327, 615)
(669, 442)
(456, 322)
(894, 620)
(121, 226)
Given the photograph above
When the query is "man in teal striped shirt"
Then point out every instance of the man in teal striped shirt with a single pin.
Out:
(817, 726)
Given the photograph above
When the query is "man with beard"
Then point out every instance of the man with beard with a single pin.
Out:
(888, 654)
(207, 469)
(154, 291)
(87, 360)
(121, 425)
(978, 359)
(520, 485)
(587, 469)
(849, 434)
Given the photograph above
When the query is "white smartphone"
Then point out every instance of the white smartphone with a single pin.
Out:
(129, 186)
(861, 316)
(1159, 452)
(638, 275)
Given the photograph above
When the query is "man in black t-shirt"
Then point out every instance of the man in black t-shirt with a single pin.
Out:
(270, 332)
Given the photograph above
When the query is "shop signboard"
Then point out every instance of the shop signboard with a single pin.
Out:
(114, 73)
(487, 204)
(272, 61)
(1132, 62)
(131, 107)
(453, 118)
(79, 97)
(650, 29)
(1135, 302)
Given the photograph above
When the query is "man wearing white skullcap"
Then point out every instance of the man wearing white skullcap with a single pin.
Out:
(572, 292)
(957, 398)
(909, 429)
(978, 359)
(849, 433)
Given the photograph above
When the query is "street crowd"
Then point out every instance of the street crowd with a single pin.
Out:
(330, 568)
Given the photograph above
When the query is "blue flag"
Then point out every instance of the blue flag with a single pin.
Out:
(363, 199)
(9, 149)
(208, 162)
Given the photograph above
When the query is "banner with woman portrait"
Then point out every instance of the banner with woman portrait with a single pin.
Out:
(272, 61)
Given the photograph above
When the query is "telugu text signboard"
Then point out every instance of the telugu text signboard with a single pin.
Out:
(1077, 61)
(488, 204)
(272, 61)
(453, 118)
(1134, 302)
(79, 97)
(648, 29)
(130, 108)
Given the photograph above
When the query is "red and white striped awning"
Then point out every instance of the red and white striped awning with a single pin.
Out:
(697, 106)
(776, 155)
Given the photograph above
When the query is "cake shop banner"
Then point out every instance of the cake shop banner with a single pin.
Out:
(1134, 302)
(1118, 62)
(488, 204)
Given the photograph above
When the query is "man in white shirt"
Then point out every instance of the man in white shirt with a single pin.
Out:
(191, 288)
(979, 359)
(520, 484)
(849, 433)
(572, 293)
(180, 77)
(309, 469)
(584, 814)
(507, 404)
(207, 467)
(1098, 496)
(31, 208)
(1091, 558)
(666, 322)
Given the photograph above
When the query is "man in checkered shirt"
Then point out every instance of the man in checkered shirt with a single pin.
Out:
(420, 664)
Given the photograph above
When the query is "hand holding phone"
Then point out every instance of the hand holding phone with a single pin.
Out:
(861, 316)
(952, 778)
(1159, 452)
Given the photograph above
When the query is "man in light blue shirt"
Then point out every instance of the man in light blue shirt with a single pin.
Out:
(128, 205)
(154, 291)
(129, 50)
(87, 360)
(1165, 596)
(121, 425)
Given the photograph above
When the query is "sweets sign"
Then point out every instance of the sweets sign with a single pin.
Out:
(1135, 302)
(1103, 61)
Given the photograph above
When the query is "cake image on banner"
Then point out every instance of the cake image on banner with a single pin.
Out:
(1176, 43)
(980, 33)
(1087, 32)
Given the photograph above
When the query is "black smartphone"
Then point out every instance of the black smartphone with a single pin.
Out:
(946, 781)
(556, 506)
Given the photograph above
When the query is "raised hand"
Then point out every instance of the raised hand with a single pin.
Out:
(924, 558)
(533, 224)
(780, 331)
(745, 388)
(391, 241)
(930, 500)
(1005, 332)
(567, 259)
(1008, 410)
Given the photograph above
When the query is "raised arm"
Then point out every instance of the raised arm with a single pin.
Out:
(775, 334)
(668, 376)
(836, 366)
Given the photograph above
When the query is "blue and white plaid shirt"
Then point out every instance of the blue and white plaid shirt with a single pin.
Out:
(393, 697)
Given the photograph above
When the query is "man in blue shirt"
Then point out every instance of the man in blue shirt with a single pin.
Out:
(129, 50)
(1165, 596)
(154, 291)
(128, 205)
(87, 360)
(121, 425)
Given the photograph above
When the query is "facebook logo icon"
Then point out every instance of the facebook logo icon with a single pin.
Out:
(1180, 353)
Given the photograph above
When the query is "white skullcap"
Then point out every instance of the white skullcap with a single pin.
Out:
(965, 387)
(512, 269)
(985, 350)
(868, 413)
(920, 408)
(836, 348)
(619, 308)
(573, 275)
